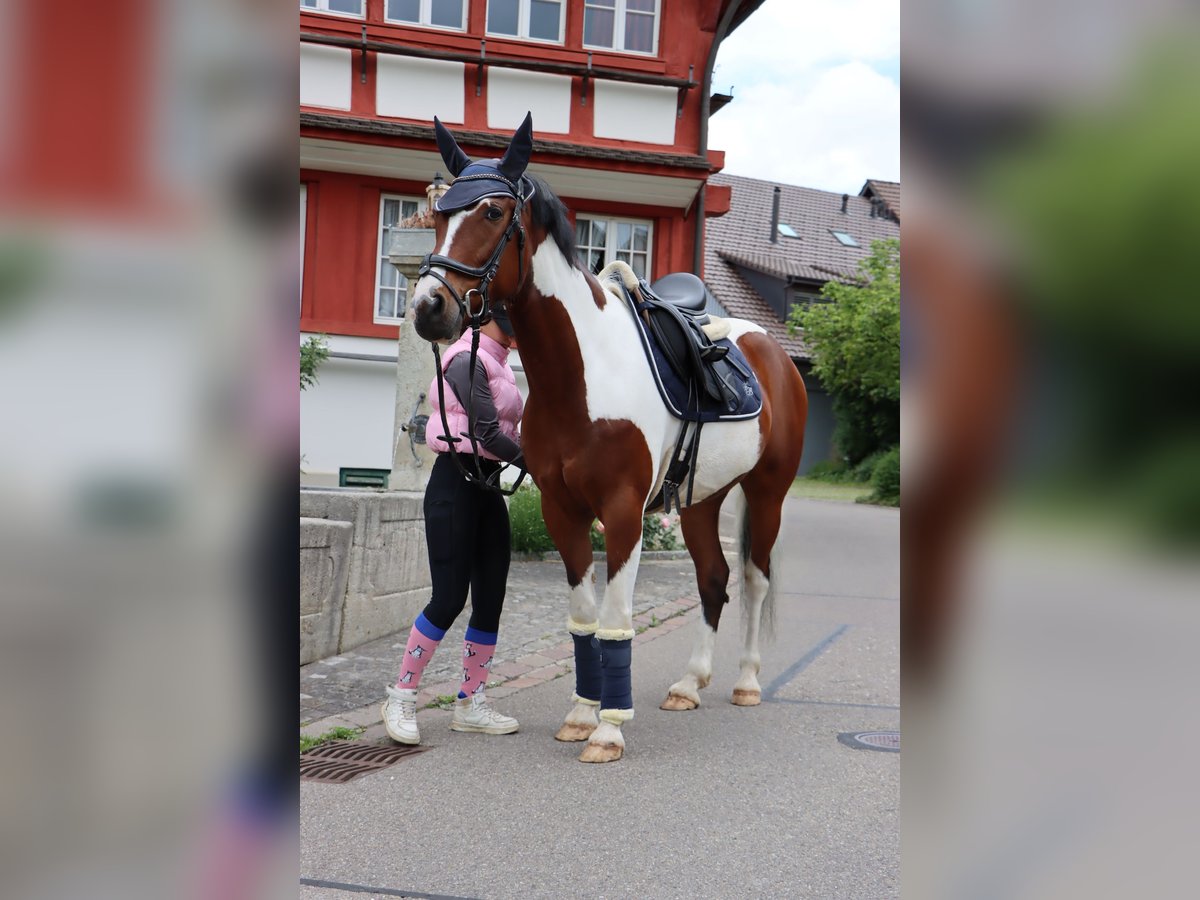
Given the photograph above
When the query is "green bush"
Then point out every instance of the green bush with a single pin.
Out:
(885, 479)
(656, 536)
(529, 533)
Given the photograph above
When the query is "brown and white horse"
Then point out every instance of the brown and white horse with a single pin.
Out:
(597, 437)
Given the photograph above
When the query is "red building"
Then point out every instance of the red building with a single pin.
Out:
(620, 96)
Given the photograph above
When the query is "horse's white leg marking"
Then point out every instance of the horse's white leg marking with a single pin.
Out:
(581, 721)
(616, 609)
(746, 691)
(581, 607)
(699, 669)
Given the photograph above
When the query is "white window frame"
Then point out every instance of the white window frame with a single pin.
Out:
(619, 30)
(523, 8)
(610, 238)
(322, 8)
(426, 15)
(380, 250)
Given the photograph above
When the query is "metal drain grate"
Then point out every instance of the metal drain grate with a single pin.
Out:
(340, 761)
(872, 740)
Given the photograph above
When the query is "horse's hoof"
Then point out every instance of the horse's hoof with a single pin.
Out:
(574, 732)
(601, 753)
(746, 698)
(678, 702)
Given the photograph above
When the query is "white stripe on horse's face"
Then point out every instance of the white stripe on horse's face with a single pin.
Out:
(429, 283)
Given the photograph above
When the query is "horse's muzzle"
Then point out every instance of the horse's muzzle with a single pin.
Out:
(436, 317)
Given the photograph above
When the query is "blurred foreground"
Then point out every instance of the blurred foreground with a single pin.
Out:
(1051, 441)
(148, 307)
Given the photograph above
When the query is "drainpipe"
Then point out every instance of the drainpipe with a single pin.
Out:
(705, 94)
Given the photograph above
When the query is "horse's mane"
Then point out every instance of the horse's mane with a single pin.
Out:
(550, 211)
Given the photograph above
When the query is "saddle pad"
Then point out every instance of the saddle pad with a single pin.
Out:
(674, 390)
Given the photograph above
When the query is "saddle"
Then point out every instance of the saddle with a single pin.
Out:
(674, 312)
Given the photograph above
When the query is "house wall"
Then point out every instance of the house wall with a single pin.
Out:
(772, 290)
(348, 417)
(818, 432)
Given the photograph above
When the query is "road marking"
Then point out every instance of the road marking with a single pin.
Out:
(836, 703)
(365, 889)
(802, 663)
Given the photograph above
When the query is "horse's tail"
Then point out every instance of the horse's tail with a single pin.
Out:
(767, 614)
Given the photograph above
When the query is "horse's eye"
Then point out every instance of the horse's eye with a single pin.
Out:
(493, 213)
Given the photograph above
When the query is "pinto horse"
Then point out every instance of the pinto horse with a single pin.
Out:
(596, 436)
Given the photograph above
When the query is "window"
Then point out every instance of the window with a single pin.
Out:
(601, 241)
(787, 230)
(535, 20)
(391, 288)
(630, 25)
(434, 13)
(337, 7)
(844, 238)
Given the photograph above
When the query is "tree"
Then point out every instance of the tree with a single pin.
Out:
(313, 352)
(855, 339)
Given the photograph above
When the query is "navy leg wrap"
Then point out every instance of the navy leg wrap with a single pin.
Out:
(587, 666)
(615, 657)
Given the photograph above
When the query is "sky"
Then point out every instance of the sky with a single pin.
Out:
(816, 94)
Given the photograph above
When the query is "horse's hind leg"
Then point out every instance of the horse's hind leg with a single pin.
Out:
(760, 528)
(569, 529)
(701, 534)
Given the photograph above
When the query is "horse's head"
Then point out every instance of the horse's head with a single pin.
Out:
(481, 250)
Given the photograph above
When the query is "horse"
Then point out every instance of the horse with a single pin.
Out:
(597, 437)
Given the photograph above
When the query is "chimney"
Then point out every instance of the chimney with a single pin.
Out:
(775, 217)
(845, 197)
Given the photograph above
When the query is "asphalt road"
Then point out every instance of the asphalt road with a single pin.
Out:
(721, 802)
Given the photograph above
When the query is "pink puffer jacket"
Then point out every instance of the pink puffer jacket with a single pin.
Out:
(505, 396)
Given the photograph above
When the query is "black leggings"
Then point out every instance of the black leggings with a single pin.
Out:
(470, 543)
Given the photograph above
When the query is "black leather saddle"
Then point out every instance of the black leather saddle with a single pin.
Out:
(673, 310)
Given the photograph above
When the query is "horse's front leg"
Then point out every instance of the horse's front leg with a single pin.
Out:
(570, 530)
(623, 543)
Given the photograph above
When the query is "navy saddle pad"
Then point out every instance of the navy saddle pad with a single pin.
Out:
(744, 395)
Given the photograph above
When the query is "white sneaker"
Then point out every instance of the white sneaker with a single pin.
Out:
(399, 713)
(473, 714)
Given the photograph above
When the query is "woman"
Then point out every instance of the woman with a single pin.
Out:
(467, 530)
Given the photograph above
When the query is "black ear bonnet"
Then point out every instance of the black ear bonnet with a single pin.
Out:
(476, 179)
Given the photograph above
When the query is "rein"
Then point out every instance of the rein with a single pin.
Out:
(485, 274)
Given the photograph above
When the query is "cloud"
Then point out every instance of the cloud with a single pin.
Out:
(786, 39)
(830, 129)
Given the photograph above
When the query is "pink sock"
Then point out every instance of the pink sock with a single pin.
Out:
(478, 649)
(422, 641)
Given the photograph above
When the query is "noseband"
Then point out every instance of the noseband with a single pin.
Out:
(485, 274)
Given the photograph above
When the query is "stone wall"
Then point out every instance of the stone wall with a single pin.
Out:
(372, 544)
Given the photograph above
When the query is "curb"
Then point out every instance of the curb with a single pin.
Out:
(512, 676)
(598, 556)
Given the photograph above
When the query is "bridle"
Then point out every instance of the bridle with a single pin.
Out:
(485, 274)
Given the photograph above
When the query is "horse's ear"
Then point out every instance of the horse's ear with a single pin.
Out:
(520, 148)
(454, 158)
